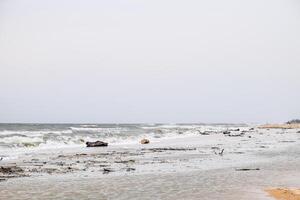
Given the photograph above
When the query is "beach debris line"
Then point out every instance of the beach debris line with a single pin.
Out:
(219, 153)
(162, 149)
(10, 169)
(10, 172)
(230, 134)
(96, 144)
(145, 141)
(247, 169)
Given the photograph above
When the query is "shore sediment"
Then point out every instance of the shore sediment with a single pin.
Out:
(284, 194)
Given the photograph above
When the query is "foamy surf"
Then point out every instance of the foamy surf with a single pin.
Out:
(24, 136)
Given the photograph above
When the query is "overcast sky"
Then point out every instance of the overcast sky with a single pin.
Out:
(149, 61)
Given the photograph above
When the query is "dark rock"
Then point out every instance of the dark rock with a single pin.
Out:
(226, 132)
(96, 144)
(145, 141)
(107, 170)
(220, 153)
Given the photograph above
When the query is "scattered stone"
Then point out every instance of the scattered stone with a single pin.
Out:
(219, 153)
(34, 170)
(145, 141)
(236, 135)
(81, 154)
(103, 165)
(107, 170)
(203, 133)
(81, 140)
(130, 169)
(49, 170)
(96, 144)
(226, 132)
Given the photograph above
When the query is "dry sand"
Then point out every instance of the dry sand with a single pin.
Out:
(284, 194)
(282, 126)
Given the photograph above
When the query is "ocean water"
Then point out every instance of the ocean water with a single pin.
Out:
(18, 136)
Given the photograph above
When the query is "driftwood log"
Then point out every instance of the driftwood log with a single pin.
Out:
(96, 144)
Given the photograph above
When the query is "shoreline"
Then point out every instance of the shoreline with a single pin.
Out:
(191, 163)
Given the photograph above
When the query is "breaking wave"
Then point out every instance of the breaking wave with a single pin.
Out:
(60, 135)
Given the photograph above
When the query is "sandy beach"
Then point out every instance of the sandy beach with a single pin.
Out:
(216, 165)
(149, 100)
(287, 194)
(281, 126)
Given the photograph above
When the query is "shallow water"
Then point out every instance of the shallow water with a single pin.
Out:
(183, 167)
(21, 137)
(212, 184)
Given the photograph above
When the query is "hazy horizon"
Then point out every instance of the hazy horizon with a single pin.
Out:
(149, 61)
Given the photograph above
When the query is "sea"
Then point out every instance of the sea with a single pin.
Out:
(22, 136)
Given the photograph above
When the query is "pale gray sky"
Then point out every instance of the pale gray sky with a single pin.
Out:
(149, 61)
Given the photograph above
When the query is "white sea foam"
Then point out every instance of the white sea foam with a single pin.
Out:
(33, 133)
(114, 135)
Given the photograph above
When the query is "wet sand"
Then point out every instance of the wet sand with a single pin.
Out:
(183, 168)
